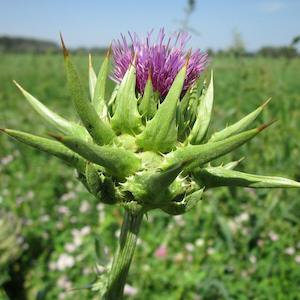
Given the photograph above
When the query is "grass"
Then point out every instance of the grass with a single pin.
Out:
(238, 244)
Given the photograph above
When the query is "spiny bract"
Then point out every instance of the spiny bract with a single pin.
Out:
(141, 151)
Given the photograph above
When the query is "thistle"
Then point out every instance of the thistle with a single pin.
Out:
(146, 146)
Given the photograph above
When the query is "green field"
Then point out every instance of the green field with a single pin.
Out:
(238, 244)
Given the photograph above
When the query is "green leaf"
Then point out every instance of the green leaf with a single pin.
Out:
(198, 155)
(98, 99)
(220, 176)
(162, 179)
(153, 187)
(238, 126)
(126, 118)
(51, 117)
(117, 161)
(188, 203)
(92, 178)
(160, 134)
(113, 95)
(99, 185)
(100, 131)
(49, 146)
(201, 125)
(92, 78)
(231, 165)
(148, 105)
(187, 111)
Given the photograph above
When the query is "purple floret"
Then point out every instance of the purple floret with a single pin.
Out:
(161, 60)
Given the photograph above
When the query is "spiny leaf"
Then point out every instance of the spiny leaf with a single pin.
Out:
(201, 125)
(52, 147)
(231, 165)
(101, 186)
(220, 176)
(201, 154)
(99, 130)
(188, 203)
(92, 78)
(186, 112)
(160, 134)
(162, 179)
(98, 99)
(238, 126)
(51, 117)
(148, 105)
(119, 162)
(92, 178)
(126, 118)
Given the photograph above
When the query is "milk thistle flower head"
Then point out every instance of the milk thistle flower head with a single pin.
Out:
(160, 59)
(139, 153)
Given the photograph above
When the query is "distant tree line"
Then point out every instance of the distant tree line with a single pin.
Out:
(237, 49)
(29, 45)
(267, 51)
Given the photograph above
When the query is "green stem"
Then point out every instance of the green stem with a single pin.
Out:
(121, 263)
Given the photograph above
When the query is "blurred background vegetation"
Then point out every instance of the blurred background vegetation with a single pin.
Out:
(238, 244)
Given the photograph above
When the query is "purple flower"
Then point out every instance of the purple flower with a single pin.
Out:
(161, 60)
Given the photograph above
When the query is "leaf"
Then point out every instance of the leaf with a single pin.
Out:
(187, 111)
(160, 134)
(47, 145)
(99, 185)
(238, 126)
(100, 131)
(198, 155)
(220, 176)
(92, 78)
(126, 118)
(201, 125)
(148, 105)
(188, 203)
(98, 99)
(51, 117)
(162, 179)
(117, 161)
(231, 165)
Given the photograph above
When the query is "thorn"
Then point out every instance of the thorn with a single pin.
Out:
(241, 159)
(134, 59)
(90, 61)
(18, 86)
(188, 56)
(266, 102)
(56, 136)
(109, 51)
(65, 50)
(149, 74)
(264, 126)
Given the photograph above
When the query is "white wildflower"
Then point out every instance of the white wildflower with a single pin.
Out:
(65, 261)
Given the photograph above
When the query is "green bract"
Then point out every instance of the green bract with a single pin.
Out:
(134, 151)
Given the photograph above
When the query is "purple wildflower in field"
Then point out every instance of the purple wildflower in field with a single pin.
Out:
(160, 60)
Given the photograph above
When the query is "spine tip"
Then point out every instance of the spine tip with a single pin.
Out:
(264, 126)
(188, 57)
(109, 51)
(266, 102)
(90, 60)
(65, 50)
(149, 74)
(18, 86)
(56, 136)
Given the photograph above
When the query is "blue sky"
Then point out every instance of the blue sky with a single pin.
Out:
(96, 23)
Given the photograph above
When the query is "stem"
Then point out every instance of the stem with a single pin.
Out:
(123, 257)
